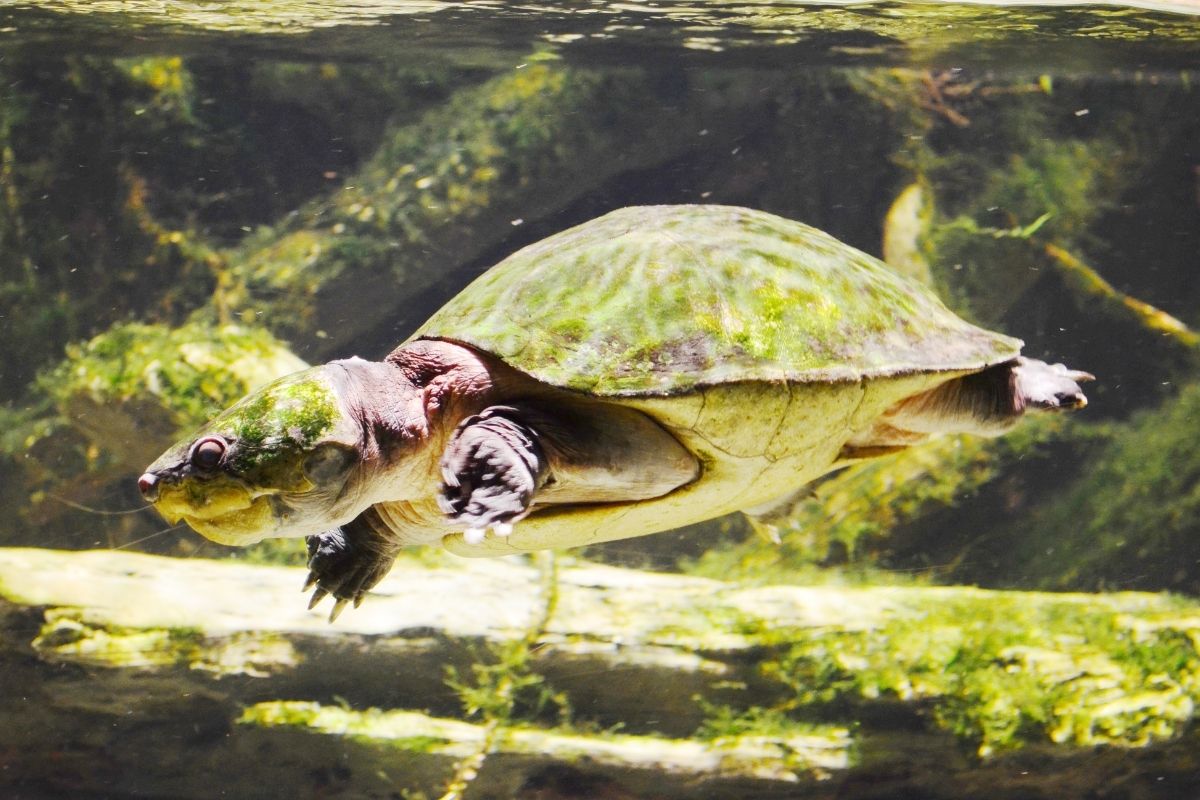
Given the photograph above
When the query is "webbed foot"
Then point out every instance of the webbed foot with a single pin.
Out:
(347, 562)
(491, 469)
(1049, 387)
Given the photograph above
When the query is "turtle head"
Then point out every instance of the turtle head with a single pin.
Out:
(276, 464)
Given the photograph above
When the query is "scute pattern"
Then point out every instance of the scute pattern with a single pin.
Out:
(658, 300)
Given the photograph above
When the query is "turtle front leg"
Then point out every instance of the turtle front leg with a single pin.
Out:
(347, 562)
(491, 470)
(502, 463)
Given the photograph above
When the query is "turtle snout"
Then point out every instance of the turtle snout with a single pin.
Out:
(148, 486)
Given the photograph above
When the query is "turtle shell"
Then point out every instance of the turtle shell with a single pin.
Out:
(659, 300)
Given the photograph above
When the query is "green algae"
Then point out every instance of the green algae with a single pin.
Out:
(455, 163)
(1063, 186)
(278, 422)
(371, 725)
(503, 687)
(191, 372)
(1130, 518)
(65, 634)
(725, 723)
(170, 83)
(815, 751)
(68, 634)
(81, 247)
(998, 670)
(738, 295)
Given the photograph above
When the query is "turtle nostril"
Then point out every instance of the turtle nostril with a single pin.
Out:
(148, 486)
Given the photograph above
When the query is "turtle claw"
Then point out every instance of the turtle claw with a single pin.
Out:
(477, 535)
(339, 605)
(341, 599)
(317, 596)
(347, 562)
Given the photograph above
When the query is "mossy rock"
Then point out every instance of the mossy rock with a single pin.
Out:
(136, 386)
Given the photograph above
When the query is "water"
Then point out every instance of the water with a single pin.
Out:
(196, 198)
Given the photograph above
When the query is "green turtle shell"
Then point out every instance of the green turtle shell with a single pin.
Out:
(658, 300)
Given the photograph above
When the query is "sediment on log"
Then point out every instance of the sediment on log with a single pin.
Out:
(214, 671)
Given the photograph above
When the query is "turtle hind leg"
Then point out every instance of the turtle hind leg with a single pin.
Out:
(502, 462)
(1048, 387)
(991, 401)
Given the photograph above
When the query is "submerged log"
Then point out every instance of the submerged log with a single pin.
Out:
(462, 186)
(137, 674)
(1089, 285)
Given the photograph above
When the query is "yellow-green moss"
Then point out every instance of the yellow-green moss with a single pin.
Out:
(736, 294)
(452, 163)
(373, 725)
(66, 632)
(191, 372)
(999, 670)
(1130, 519)
(794, 752)
(169, 81)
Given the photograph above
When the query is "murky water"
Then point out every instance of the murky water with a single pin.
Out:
(197, 198)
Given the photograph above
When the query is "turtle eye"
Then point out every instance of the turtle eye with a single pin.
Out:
(206, 453)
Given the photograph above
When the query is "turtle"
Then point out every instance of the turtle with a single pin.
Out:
(654, 367)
